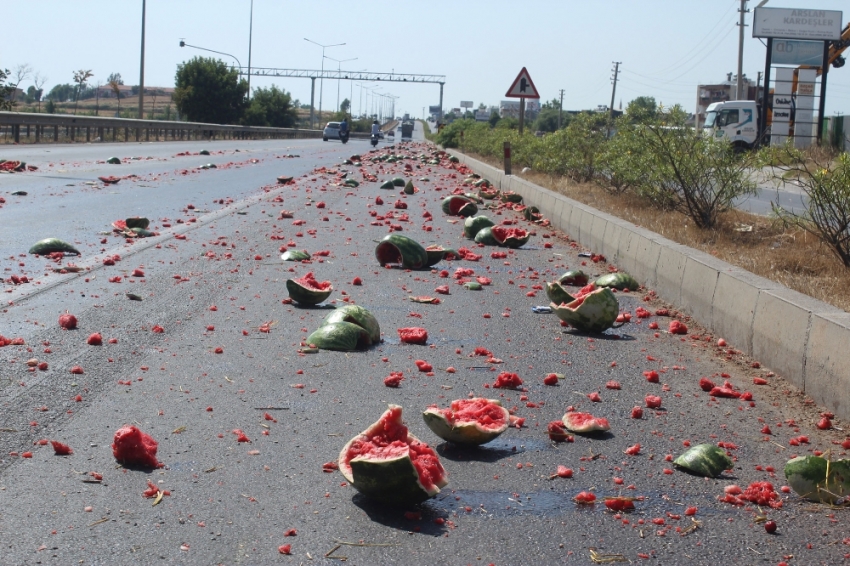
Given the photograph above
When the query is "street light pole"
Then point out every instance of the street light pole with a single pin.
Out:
(322, 80)
(184, 44)
(339, 71)
(142, 69)
(250, 37)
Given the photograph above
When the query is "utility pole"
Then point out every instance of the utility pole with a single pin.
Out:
(560, 108)
(142, 70)
(250, 37)
(739, 91)
(614, 89)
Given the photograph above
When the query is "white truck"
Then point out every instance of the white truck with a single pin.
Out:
(735, 120)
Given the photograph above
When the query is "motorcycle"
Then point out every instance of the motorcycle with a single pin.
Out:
(343, 136)
(374, 140)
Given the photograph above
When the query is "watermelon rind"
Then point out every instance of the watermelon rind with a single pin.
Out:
(557, 294)
(50, 245)
(818, 479)
(358, 315)
(398, 182)
(304, 296)
(137, 222)
(436, 254)
(398, 249)
(514, 242)
(408, 188)
(388, 185)
(707, 460)
(485, 236)
(465, 432)
(457, 205)
(393, 480)
(295, 255)
(575, 277)
(597, 312)
(511, 197)
(592, 424)
(472, 286)
(142, 232)
(474, 224)
(618, 281)
(340, 336)
(114, 161)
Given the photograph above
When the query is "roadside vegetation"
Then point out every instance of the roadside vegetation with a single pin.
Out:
(653, 171)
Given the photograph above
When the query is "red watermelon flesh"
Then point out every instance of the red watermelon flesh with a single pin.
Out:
(580, 296)
(389, 438)
(585, 422)
(133, 447)
(486, 413)
(309, 282)
(502, 233)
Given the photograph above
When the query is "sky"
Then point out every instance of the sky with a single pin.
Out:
(666, 47)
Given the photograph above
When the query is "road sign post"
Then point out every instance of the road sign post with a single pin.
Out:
(507, 148)
(522, 88)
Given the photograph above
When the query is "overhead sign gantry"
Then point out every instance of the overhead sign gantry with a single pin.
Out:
(348, 76)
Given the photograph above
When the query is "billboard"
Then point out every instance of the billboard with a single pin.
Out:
(791, 23)
(792, 52)
(466, 104)
(434, 109)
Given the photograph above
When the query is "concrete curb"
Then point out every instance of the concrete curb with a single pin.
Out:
(804, 340)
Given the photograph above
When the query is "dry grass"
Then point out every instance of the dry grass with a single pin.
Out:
(787, 256)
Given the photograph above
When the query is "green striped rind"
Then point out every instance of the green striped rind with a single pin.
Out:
(531, 213)
(408, 188)
(707, 460)
(358, 315)
(485, 236)
(469, 433)
(388, 185)
(807, 476)
(304, 296)
(295, 255)
(482, 183)
(596, 313)
(116, 161)
(398, 182)
(351, 183)
(395, 248)
(137, 222)
(511, 197)
(472, 286)
(514, 242)
(142, 233)
(618, 281)
(392, 480)
(473, 224)
(558, 294)
(50, 245)
(460, 204)
(436, 254)
(340, 336)
(575, 277)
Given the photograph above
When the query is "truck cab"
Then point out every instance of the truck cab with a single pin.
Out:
(735, 120)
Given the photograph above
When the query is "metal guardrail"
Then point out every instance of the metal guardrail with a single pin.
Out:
(38, 128)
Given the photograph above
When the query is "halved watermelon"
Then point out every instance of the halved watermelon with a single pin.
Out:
(593, 310)
(387, 463)
(358, 315)
(457, 205)
(557, 294)
(468, 421)
(397, 249)
(307, 290)
(341, 336)
(510, 237)
(585, 422)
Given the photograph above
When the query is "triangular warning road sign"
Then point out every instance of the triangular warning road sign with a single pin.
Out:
(523, 86)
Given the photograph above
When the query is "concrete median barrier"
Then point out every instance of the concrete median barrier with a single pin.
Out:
(800, 338)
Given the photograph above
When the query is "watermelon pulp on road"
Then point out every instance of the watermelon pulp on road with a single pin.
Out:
(468, 421)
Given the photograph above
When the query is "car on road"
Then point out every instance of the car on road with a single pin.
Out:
(331, 131)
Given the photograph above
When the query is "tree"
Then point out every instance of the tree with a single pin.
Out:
(641, 109)
(7, 92)
(38, 80)
(547, 120)
(21, 72)
(114, 84)
(345, 106)
(61, 93)
(208, 90)
(114, 78)
(271, 107)
(80, 77)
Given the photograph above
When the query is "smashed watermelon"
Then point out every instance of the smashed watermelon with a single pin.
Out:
(468, 421)
(307, 290)
(132, 447)
(387, 463)
(583, 423)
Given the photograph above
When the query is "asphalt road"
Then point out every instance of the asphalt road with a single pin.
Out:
(232, 502)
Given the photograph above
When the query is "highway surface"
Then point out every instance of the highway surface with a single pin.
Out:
(227, 356)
